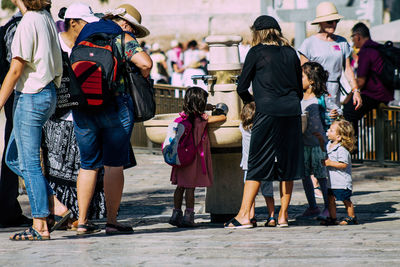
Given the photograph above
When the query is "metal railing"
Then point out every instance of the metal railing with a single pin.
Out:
(379, 136)
(169, 99)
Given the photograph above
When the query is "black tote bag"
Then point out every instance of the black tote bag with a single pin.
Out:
(140, 89)
(70, 94)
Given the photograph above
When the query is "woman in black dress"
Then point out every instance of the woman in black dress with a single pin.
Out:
(276, 146)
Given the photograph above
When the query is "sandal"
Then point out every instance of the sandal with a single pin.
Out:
(235, 224)
(60, 220)
(329, 221)
(253, 221)
(271, 222)
(349, 221)
(29, 235)
(119, 229)
(89, 227)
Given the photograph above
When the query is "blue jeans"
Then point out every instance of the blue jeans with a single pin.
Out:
(31, 111)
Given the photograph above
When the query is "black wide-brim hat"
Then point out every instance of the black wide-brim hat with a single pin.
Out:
(266, 22)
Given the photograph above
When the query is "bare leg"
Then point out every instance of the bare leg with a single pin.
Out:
(113, 187)
(286, 188)
(85, 186)
(332, 206)
(40, 225)
(249, 194)
(349, 208)
(270, 206)
(253, 210)
(189, 198)
(178, 197)
(55, 206)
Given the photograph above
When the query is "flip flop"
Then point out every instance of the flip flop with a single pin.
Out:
(29, 235)
(282, 225)
(59, 220)
(120, 229)
(91, 228)
(237, 225)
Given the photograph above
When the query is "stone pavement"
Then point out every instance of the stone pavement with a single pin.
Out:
(147, 204)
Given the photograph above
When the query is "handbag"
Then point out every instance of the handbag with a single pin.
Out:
(140, 89)
(69, 94)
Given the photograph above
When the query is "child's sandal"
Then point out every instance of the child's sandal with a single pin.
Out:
(329, 221)
(29, 235)
(253, 221)
(271, 222)
(349, 221)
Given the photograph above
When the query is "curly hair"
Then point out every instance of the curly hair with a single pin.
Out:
(247, 115)
(268, 37)
(317, 76)
(36, 5)
(346, 131)
(195, 102)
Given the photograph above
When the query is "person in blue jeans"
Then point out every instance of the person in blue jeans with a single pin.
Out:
(35, 70)
(104, 137)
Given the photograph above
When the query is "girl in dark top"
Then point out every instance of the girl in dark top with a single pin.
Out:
(276, 145)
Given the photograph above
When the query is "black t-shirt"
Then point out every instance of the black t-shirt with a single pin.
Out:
(275, 74)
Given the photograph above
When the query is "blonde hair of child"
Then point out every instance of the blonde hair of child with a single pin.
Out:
(247, 115)
(346, 131)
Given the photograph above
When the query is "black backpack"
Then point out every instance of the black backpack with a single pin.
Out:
(5, 65)
(95, 62)
(390, 74)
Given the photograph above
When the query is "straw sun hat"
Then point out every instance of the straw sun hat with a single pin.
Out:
(132, 15)
(326, 11)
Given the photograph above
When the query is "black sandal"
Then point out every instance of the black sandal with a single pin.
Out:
(120, 229)
(253, 221)
(89, 227)
(29, 235)
(329, 221)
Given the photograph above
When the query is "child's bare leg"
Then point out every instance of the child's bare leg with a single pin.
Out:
(178, 197)
(286, 188)
(332, 206)
(189, 198)
(349, 208)
(271, 206)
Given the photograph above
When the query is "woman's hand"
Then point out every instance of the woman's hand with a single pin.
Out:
(21, 6)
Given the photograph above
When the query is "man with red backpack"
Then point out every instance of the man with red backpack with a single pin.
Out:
(103, 129)
(369, 76)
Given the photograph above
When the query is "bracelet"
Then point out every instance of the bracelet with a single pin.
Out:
(355, 90)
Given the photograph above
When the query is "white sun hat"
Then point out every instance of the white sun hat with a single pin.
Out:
(80, 11)
(326, 11)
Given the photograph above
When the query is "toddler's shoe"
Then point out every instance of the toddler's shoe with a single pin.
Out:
(188, 219)
(311, 212)
(349, 221)
(323, 215)
(176, 218)
(329, 221)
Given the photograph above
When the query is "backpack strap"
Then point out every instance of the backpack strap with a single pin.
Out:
(201, 148)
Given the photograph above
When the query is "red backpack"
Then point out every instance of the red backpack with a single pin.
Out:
(95, 62)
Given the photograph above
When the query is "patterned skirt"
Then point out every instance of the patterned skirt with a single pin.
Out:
(61, 160)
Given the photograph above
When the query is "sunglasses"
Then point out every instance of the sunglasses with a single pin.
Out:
(333, 21)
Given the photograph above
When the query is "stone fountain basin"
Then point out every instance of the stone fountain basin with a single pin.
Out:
(226, 134)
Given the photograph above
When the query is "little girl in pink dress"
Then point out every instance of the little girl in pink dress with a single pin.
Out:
(199, 173)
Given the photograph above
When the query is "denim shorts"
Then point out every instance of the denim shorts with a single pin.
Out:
(103, 137)
(340, 194)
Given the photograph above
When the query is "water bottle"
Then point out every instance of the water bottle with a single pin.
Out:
(330, 103)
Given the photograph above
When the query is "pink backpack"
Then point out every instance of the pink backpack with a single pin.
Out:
(179, 148)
